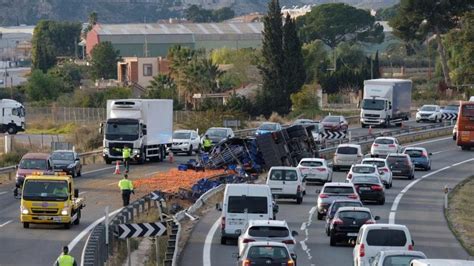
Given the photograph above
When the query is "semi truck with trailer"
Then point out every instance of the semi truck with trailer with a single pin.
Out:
(12, 116)
(143, 125)
(385, 102)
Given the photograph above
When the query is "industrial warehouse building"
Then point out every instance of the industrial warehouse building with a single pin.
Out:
(154, 40)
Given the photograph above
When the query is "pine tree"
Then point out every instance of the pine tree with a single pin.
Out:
(376, 69)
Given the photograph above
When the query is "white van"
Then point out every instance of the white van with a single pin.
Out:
(441, 262)
(374, 238)
(346, 155)
(244, 202)
(286, 182)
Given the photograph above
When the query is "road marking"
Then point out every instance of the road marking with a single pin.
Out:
(83, 192)
(3, 192)
(5, 223)
(113, 183)
(206, 252)
(426, 142)
(393, 210)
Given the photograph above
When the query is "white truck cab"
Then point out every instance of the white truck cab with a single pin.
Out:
(12, 116)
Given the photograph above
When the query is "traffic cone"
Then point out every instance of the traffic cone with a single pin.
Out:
(117, 168)
(171, 157)
(370, 130)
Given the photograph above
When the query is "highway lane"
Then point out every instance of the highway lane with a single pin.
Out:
(420, 209)
(44, 242)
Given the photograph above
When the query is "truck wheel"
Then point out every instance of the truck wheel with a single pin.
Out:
(190, 152)
(11, 130)
(162, 154)
(78, 219)
(26, 225)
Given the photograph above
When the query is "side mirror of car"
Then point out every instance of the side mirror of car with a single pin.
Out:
(76, 193)
(294, 233)
(294, 257)
(238, 232)
(318, 191)
(430, 153)
(377, 218)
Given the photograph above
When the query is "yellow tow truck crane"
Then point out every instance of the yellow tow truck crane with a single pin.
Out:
(50, 199)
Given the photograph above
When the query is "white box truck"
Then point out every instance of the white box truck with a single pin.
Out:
(12, 116)
(385, 101)
(145, 126)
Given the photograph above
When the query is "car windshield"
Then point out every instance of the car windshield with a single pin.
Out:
(283, 175)
(45, 190)
(246, 204)
(428, 108)
(365, 179)
(452, 107)
(346, 150)
(122, 131)
(181, 135)
(377, 163)
(266, 252)
(400, 260)
(397, 160)
(268, 231)
(220, 133)
(363, 169)
(268, 127)
(373, 104)
(331, 119)
(33, 164)
(311, 163)
(63, 156)
(337, 205)
(384, 141)
(414, 153)
(386, 238)
(338, 190)
(356, 215)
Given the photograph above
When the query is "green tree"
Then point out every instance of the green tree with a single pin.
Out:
(273, 97)
(417, 19)
(295, 71)
(43, 87)
(180, 57)
(161, 87)
(315, 60)
(92, 20)
(70, 75)
(222, 14)
(305, 99)
(104, 60)
(376, 66)
(385, 14)
(198, 15)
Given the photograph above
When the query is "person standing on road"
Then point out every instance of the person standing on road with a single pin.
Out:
(126, 186)
(65, 259)
(207, 143)
(126, 155)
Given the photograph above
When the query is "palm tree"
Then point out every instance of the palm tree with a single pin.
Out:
(161, 87)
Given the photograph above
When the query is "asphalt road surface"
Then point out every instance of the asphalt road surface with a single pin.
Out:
(419, 206)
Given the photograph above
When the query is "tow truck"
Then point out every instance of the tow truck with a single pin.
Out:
(50, 199)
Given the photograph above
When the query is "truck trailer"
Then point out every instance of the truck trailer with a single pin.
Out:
(385, 102)
(145, 126)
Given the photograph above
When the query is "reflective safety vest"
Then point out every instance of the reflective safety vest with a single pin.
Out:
(65, 260)
(125, 184)
(207, 143)
(126, 153)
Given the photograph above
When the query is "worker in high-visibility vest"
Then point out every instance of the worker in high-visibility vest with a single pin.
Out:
(65, 259)
(126, 186)
(126, 155)
(207, 143)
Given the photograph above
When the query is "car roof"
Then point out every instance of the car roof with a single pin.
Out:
(184, 131)
(430, 105)
(364, 165)
(414, 148)
(349, 145)
(266, 243)
(357, 209)
(390, 138)
(383, 226)
(36, 155)
(268, 223)
(338, 184)
(269, 123)
(283, 168)
(373, 159)
(313, 160)
(226, 128)
(401, 252)
(346, 200)
(397, 155)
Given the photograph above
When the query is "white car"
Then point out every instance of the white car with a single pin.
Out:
(287, 182)
(429, 113)
(363, 170)
(374, 238)
(396, 257)
(382, 146)
(441, 262)
(315, 170)
(185, 141)
(267, 230)
(384, 170)
(346, 155)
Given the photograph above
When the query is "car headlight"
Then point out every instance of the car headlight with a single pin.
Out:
(136, 151)
(64, 211)
(24, 210)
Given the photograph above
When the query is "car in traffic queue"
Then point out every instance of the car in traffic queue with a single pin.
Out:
(331, 192)
(303, 121)
(217, 134)
(419, 156)
(286, 182)
(362, 169)
(373, 238)
(29, 163)
(335, 205)
(450, 109)
(382, 146)
(369, 188)
(265, 253)
(67, 161)
(401, 165)
(315, 170)
(441, 262)
(429, 112)
(396, 257)
(335, 123)
(382, 165)
(346, 155)
(346, 223)
(267, 230)
(268, 127)
(465, 126)
(185, 141)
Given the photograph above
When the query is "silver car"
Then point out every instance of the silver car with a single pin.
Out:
(385, 172)
(331, 192)
(396, 257)
(382, 146)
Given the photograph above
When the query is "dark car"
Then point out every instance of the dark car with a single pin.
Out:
(369, 187)
(347, 222)
(401, 165)
(335, 123)
(335, 205)
(67, 161)
(419, 157)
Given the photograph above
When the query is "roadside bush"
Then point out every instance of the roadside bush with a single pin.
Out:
(12, 158)
(210, 118)
(87, 138)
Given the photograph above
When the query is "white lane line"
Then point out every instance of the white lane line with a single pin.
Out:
(206, 251)
(98, 170)
(393, 210)
(113, 183)
(82, 192)
(5, 223)
(427, 142)
(3, 192)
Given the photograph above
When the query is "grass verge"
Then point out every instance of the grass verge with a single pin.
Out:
(459, 213)
(50, 128)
